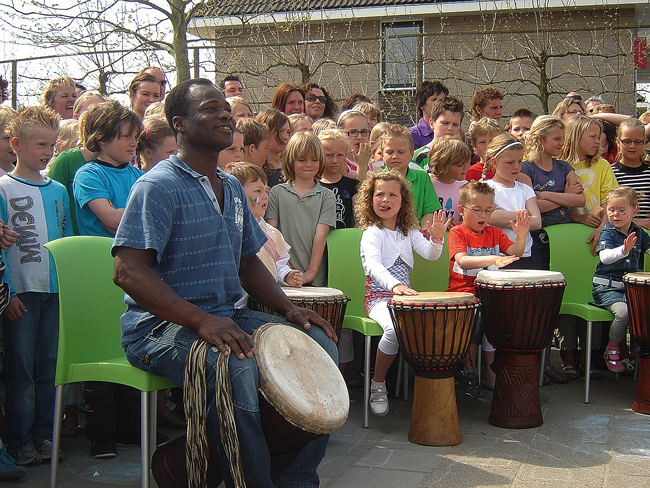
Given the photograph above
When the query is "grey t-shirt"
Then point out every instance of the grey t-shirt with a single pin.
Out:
(298, 218)
(555, 181)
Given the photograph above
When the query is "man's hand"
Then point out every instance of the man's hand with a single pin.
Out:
(222, 330)
(306, 318)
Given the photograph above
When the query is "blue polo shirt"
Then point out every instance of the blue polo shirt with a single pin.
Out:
(173, 210)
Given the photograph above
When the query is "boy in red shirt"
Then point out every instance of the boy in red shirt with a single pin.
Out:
(473, 246)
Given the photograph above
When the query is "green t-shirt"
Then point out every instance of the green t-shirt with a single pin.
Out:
(63, 169)
(425, 199)
(421, 157)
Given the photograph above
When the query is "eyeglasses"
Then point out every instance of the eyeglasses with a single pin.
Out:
(479, 211)
(575, 112)
(630, 142)
(313, 98)
(355, 133)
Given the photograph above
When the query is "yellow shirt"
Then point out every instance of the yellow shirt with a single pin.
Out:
(597, 181)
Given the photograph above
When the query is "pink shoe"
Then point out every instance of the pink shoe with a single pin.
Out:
(613, 360)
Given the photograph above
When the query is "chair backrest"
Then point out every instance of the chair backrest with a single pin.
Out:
(431, 275)
(571, 255)
(90, 303)
(344, 270)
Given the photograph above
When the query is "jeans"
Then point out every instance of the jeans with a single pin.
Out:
(30, 365)
(163, 352)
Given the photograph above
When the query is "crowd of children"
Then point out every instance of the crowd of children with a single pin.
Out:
(307, 171)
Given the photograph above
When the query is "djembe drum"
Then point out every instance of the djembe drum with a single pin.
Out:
(637, 288)
(329, 303)
(303, 395)
(434, 331)
(519, 309)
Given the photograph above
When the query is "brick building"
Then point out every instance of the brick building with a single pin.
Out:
(535, 52)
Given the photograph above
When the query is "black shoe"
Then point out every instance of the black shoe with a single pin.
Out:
(103, 448)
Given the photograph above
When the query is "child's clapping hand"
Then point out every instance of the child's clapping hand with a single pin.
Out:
(522, 225)
(438, 227)
(7, 236)
(629, 242)
(294, 278)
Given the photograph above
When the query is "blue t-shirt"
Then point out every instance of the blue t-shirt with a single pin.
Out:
(174, 211)
(39, 213)
(98, 179)
(555, 181)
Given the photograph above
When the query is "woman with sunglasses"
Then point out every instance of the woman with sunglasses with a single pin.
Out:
(318, 103)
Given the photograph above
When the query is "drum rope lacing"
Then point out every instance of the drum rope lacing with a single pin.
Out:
(510, 286)
(195, 393)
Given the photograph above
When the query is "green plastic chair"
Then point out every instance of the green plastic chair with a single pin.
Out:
(571, 255)
(345, 273)
(431, 275)
(89, 336)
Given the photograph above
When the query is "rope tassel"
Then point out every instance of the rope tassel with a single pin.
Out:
(196, 410)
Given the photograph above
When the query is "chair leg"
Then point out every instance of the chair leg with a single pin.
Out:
(542, 362)
(366, 385)
(400, 366)
(145, 438)
(405, 379)
(153, 422)
(590, 326)
(56, 434)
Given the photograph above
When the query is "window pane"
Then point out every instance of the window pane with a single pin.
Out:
(399, 55)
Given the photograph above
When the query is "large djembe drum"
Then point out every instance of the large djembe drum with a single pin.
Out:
(434, 331)
(519, 309)
(302, 395)
(637, 288)
(329, 303)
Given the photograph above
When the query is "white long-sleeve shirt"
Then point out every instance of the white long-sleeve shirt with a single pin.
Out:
(380, 248)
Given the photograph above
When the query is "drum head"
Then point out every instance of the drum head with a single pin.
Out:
(639, 278)
(518, 276)
(312, 292)
(300, 380)
(436, 298)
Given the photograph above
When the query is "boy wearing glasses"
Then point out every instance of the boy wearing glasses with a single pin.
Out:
(473, 246)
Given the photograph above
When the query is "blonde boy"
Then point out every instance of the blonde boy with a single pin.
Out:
(397, 152)
(38, 210)
(256, 140)
(302, 209)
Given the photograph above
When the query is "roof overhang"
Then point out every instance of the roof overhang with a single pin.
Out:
(200, 25)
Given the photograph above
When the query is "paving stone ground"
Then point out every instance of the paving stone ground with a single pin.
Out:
(601, 444)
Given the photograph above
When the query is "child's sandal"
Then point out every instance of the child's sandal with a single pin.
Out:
(613, 360)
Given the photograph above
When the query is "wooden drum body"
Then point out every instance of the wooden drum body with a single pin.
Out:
(329, 303)
(302, 396)
(434, 332)
(637, 288)
(519, 309)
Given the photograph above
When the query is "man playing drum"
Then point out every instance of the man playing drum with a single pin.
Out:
(185, 241)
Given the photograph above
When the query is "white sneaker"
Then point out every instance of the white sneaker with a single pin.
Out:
(378, 399)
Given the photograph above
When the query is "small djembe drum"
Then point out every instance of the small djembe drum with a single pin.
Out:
(302, 395)
(637, 288)
(519, 309)
(329, 303)
(434, 331)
